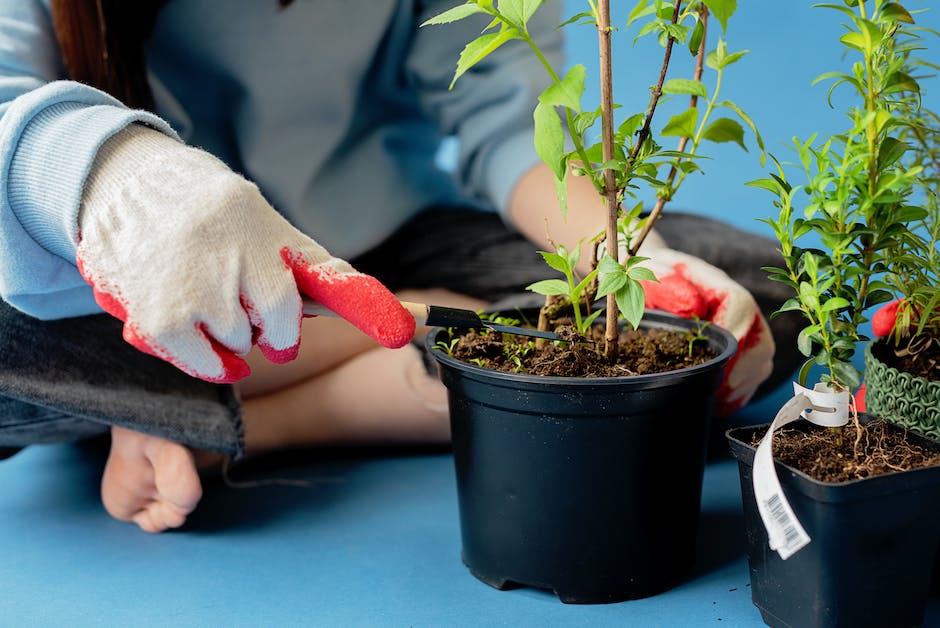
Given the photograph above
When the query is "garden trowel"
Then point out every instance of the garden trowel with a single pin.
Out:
(440, 316)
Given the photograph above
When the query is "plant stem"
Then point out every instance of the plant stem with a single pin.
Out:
(611, 334)
(693, 102)
(613, 240)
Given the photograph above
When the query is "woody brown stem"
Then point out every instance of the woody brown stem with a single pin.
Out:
(693, 102)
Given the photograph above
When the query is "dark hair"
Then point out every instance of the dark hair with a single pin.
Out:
(102, 44)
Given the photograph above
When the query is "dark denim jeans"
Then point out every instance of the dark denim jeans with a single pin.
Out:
(69, 379)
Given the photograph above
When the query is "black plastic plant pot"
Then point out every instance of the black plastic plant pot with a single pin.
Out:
(872, 551)
(589, 487)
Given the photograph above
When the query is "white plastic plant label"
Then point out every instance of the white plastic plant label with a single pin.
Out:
(821, 406)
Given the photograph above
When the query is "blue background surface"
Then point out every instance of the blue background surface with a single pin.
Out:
(373, 539)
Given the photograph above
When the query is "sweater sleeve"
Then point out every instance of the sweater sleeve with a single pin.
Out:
(50, 132)
(490, 107)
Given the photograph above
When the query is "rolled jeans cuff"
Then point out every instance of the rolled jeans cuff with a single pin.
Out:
(65, 379)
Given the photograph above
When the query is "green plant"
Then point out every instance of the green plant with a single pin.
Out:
(448, 345)
(626, 154)
(574, 290)
(914, 263)
(696, 335)
(859, 192)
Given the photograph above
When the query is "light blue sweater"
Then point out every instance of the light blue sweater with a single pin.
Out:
(335, 108)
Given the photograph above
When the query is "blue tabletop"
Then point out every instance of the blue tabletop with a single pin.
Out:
(372, 539)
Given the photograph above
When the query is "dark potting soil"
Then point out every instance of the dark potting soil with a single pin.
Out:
(850, 452)
(919, 356)
(641, 352)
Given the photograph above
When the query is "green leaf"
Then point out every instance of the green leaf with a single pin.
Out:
(556, 261)
(631, 302)
(642, 9)
(791, 305)
(901, 82)
(608, 265)
(457, 13)
(750, 123)
(695, 41)
(808, 295)
(682, 125)
(804, 341)
(734, 57)
(480, 48)
(641, 273)
(586, 323)
(833, 304)
(585, 120)
(846, 374)
(611, 282)
(854, 40)
(890, 151)
(725, 130)
(630, 126)
(550, 139)
(549, 287)
(770, 185)
(567, 92)
(896, 12)
(722, 9)
(519, 11)
(685, 86)
(581, 18)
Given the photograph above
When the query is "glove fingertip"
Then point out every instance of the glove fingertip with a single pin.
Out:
(278, 356)
(233, 369)
(364, 302)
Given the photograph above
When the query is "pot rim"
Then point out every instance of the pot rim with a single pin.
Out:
(861, 488)
(657, 319)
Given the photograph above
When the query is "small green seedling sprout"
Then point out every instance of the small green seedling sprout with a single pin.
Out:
(447, 346)
(697, 334)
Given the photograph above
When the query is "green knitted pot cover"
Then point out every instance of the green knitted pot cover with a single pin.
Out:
(901, 398)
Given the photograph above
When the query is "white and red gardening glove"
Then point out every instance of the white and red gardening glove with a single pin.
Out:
(200, 267)
(692, 288)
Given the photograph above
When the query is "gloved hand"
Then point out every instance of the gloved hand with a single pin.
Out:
(690, 287)
(200, 267)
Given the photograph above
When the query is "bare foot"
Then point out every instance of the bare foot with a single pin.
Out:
(150, 481)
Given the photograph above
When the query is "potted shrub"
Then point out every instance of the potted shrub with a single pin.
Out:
(842, 517)
(588, 483)
(902, 368)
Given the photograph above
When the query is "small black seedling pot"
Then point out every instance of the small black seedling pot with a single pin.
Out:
(589, 487)
(872, 551)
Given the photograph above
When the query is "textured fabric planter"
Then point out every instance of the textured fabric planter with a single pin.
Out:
(899, 397)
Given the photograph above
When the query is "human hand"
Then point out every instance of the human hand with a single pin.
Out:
(692, 288)
(200, 267)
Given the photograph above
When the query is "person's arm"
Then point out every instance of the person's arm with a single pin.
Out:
(534, 211)
(200, 266)
(98, 212)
